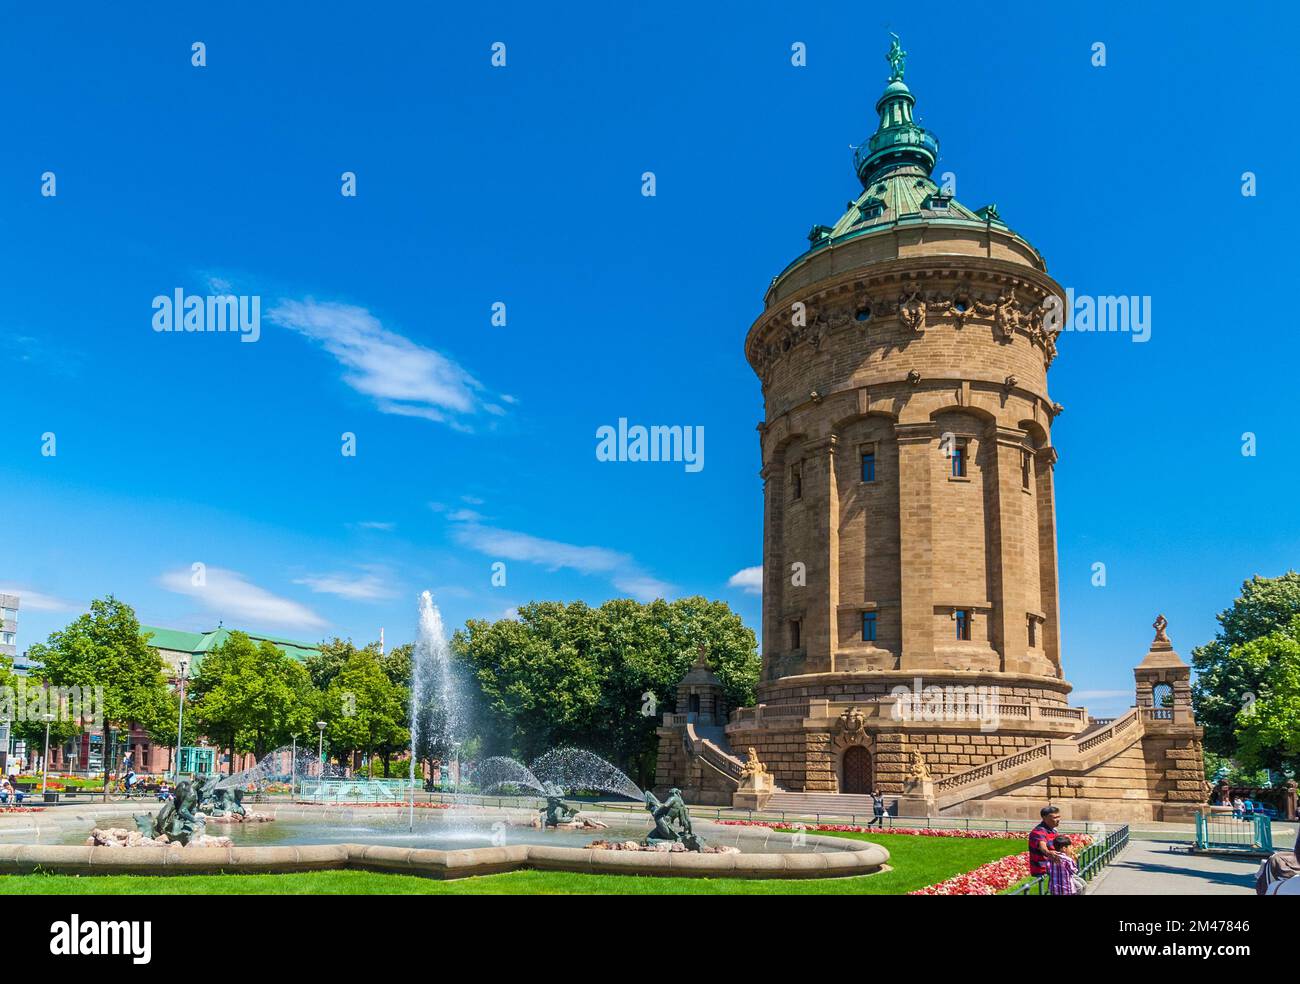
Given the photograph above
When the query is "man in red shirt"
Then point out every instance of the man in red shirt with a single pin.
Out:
(1041, 851)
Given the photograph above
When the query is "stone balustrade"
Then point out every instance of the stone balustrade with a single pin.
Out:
(822, 713)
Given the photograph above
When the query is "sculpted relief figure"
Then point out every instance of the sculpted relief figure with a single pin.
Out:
(853, 724)
(752, 766)
(1006, 318)
(1160, 624)
(911, 310)
(919, 771)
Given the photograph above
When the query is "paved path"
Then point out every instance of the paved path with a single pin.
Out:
(1149, 867)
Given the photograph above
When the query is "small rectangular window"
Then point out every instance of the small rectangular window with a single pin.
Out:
(1024, 470)
(868, 626)
(959, 459)
(795, 628)
(962, 616)
(868, 466)
(1033, 632)
(796, 481)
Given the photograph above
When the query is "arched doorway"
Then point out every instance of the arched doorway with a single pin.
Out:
(856, 770)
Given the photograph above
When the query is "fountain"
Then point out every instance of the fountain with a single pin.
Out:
(345, 824)
(435, 699)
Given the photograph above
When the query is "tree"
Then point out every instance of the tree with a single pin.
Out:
(1225, 685)
(30, 727)
(1268, 728)
(365, 710)
(598, 678)
(324, 665)
(252, 698)
(104, 648)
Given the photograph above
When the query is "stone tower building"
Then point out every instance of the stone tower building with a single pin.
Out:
(910, 590)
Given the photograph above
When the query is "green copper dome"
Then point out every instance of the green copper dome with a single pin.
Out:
(894, 166)
(898, 141)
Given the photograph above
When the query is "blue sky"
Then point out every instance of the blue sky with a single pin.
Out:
(522, 185)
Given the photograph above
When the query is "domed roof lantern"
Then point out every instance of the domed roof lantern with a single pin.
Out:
(898, 141)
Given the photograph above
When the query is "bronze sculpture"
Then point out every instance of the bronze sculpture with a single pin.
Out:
(666, 814)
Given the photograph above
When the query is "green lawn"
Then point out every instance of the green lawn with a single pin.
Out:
(916, 862)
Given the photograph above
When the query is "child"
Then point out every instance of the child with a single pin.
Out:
(1062, 869)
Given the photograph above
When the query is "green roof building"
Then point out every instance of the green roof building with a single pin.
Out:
(173, 644)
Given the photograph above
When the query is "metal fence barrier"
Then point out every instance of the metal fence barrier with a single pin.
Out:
(1234, 833)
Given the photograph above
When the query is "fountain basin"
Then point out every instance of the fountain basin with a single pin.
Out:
(287, 846)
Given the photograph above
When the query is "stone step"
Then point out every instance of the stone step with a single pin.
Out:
(715, 734)
(808, 804)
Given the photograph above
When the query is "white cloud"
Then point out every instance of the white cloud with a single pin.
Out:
(37, 601)
(472, 500)
(464, 516)
(369, 586)
(401, 376)
(621, 568)
(233, 597)
(749, 580)
(371, 524)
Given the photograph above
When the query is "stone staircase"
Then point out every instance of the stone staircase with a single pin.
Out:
(1071, 756)
(823, 804)
(709, 745)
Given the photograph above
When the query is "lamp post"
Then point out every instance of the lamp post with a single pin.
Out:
(45, 759)
(320, 751)
(183, 665)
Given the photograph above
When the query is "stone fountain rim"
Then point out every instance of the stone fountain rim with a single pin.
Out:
(20, 859)
(839, 857)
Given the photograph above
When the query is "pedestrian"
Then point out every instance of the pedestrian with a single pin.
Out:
(1063, 870)
(878, 808)
(1041, 837)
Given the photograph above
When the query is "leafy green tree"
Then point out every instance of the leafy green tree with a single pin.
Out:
(396, 664)
(599, 678)
(105, 648)
(365, 710)
(252, 698)
(323, 666)
(29, 727)
(1224, 684)
(1268, 728)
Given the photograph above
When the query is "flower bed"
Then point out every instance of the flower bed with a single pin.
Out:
(987, 879)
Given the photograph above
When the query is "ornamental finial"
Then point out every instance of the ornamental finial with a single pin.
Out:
(897, 59)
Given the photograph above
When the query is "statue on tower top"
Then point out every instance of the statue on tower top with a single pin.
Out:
(1160, 624)
(897, 59)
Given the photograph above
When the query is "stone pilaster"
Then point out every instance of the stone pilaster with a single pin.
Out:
(1048, 586)
(822, 560)
(916, 448)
